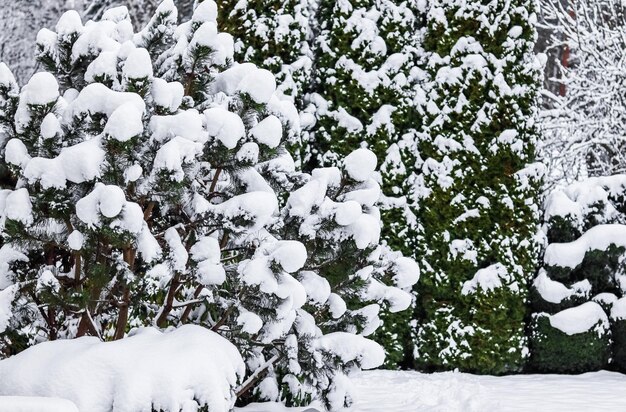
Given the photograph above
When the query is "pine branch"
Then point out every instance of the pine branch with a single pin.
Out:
(256, 376)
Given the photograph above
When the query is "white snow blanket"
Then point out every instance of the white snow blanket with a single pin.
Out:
(32, 404)
(166, 371)
(391, 391)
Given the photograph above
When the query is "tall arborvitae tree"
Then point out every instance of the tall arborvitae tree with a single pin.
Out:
(149, 185)
(363, 93)
(476, 191)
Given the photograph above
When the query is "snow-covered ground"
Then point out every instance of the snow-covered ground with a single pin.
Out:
(388, 391)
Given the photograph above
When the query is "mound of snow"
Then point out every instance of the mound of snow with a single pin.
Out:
(580, 319)
(360, 164)
(598, 237)
(148, 371)
(555, 292)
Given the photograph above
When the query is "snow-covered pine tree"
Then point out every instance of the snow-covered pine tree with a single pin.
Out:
(149, 185)
(476, 194)
(364, 94)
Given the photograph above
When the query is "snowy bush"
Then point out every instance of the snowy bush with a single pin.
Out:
(148, 184)
(574, 340)
(583, 264)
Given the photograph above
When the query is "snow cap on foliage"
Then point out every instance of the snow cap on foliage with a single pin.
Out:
(580, 319)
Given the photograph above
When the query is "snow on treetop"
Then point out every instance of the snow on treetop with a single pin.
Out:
(138, 64)
(116, 14)
(124, 123)
(167, 95)
(571, 254)
(7, 79)
(50, 126)
(69, 24)
(205, 11)
(581, 319)
(124, 376)
(407, 272)
(227, 127)
(259, 84)
(268, 131)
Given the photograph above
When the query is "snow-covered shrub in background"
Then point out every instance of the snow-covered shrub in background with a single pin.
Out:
(148, 184)
(575, 294)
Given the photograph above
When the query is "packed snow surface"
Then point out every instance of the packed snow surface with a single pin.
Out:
(33, 404)
(167, 371)
(390, 391)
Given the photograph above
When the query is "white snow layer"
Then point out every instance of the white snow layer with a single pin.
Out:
(393, 391)
(35, 404)
(360, 164)
(618, 310)
(580, 319)
(599, 237)
(554, 292)
(166, 371)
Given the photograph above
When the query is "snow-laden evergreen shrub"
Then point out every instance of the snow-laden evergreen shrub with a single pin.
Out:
(585, 229)
(476, 186)
(148, 184)
(555, 351)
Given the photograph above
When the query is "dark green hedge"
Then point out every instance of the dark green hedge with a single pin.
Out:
(553, 351)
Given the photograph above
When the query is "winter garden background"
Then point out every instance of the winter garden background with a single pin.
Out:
(208, 205)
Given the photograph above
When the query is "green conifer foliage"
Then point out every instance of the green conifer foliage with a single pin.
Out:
(364, 95)
(476, 187)
(273, 35)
